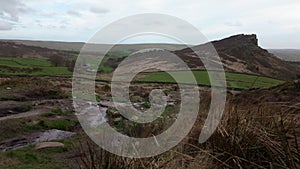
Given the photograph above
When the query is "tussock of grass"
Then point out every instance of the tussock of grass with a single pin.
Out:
(251, 137)
(255, 138)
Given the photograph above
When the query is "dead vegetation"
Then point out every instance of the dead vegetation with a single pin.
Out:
(262, 131)
(260, 135)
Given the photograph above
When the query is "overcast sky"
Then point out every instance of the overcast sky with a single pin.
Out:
(277, 23)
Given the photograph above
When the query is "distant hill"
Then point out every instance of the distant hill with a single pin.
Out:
(291, 55)
(76, 46)
(11, 49)
(241, 53)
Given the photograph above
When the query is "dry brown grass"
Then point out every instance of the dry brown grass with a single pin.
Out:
(255, 137)
(264, 136)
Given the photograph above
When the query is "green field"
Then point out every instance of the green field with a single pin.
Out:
(234, 80)
(24, 66)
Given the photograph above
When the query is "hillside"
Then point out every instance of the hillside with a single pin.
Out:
(291, 55)
(241, 53)
(11, 49)
(76, 46)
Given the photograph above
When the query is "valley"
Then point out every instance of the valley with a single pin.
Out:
(260, 127)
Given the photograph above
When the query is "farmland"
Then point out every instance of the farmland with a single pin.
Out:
(24, 66)
(234, 80)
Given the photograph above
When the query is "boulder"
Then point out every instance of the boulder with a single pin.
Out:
(48, 145)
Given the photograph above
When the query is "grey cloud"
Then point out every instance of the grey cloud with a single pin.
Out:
(74, 13)
(5, 26)
(99, 10)
(12, 9)
(233, 24)
(49, 14)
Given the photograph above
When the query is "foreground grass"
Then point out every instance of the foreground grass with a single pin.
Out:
(264, 136)
(52, 120)
(47, 158)
(253, 133)
(29, 157)
(256, 138)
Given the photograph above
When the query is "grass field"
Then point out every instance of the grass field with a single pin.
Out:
(24, 66)
(234, 80)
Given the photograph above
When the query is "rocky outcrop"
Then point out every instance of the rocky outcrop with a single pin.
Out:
(241, 53)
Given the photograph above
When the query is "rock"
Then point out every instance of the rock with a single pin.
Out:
(297, 84)
(93, 116)
(115, 113)
(171, 103)
(137, 104)
(118, 119)
(48, 145)
(106, 104)
(54, 134)
(38, 138)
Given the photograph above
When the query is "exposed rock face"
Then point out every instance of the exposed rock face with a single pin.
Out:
(237, 40)
(238, 53)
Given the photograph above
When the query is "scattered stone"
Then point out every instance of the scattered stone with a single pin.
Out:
(297, 84)
(35, 138)
(115, 113)
(118, 119)
(171, 103)
(54, 135)
(91, 116)
(48, 145)
(137, 104)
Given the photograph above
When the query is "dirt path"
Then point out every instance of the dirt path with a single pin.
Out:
(27, 114)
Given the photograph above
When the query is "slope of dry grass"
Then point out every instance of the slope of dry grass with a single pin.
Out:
(260, 135)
